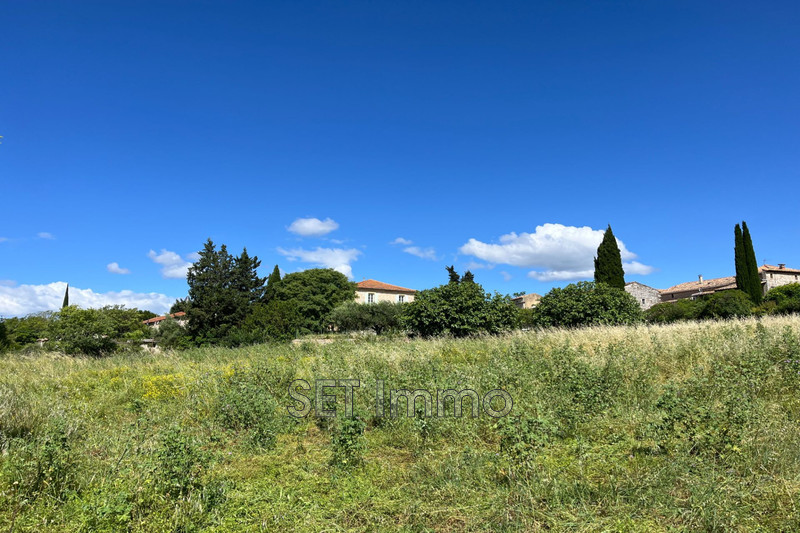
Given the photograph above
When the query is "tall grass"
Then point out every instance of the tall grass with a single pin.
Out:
(690, 426)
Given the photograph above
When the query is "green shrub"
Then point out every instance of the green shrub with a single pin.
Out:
(172, 335)
(585, 304)
(679, 310)
(378, 317)
(727, 304)
(181, 463)
(348, 443)
(459, 309)
(786, 298)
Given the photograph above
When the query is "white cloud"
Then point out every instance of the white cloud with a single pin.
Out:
(45, 235)
(404, 242)
(114, 268)
(506, 275)
(338, 259)
(7, 282)
(424, 253)
(313, 227)
(474, 265)
(25, 299)
(172, 265)
(558, 252)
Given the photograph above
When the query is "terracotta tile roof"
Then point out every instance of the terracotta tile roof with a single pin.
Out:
(707, 285)
(157, 319)
(773, 268)
(373, 285)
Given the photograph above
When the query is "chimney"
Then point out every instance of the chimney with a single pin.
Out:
(700, 277)
(781, 265)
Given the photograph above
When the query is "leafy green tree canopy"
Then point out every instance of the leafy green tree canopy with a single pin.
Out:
(316, 291)
(585, 304)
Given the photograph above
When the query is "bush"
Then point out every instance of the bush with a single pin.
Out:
(585, 304)
(348, 443)
(459, 309)
(379, 317)
(727, 304)
(786, 298)
(679, 310)
(181, 463)
(83, 331)
(171, 334)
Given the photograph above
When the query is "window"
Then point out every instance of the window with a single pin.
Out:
(371, 298)
(642, 301)
(401, 299)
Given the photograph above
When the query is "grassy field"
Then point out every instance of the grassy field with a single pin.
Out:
(684, 427)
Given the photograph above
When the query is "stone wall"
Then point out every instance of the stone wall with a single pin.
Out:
(645, 296)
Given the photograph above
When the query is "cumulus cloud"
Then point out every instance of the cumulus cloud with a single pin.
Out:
(557, 252)
(400, 240)
(114, 268)
(313, 227)
(173, 266)
(423, 253)
(45, 235)
(338, 259)
(25, 299)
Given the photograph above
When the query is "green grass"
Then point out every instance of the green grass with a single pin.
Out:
(652, 428)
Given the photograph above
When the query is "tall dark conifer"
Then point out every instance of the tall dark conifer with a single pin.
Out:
(272, 284)
(65, 303)
(608, 263)
(214, 302)
(738, 257)
(753, 279)
(453, 275)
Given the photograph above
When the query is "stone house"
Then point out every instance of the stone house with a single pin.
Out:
(372, 291)
(645, 295)
(775, 276)
(696, 289)
(155, 322)
(526, 301)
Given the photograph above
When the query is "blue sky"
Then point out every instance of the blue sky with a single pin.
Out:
(498, 135)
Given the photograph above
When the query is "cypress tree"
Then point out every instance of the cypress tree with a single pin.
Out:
(738, 257)
(608, 263)
(65, 303)
(753, 279)
(272, 284)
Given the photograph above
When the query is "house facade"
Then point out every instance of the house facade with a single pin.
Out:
(696, 289)
(645, 295)
(372, 291)
(526, 301)
(155, 322)
(774, 276)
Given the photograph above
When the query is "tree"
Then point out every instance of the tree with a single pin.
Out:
(453, 275)
(608, 263)
(170, 334)
(739, 260)
(586, 304)
(5, 343)
(468, 277)
(272, 284)
(753, 279)
(83, 331)
(246, 280)
(379, 317)
(727, 304)
(786, 298)
(316, 291)
(65, 303)
(180, 305)
(458, 309)
(216, 304)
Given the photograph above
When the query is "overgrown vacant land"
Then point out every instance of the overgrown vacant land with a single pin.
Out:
(690, 426)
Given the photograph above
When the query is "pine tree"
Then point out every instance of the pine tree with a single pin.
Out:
(246, 279)
(451, 272)
(753, 279)
(272, 284)
(739, 261)
(468, 277)
(65, 303)
(608, 263)
(214, 302)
